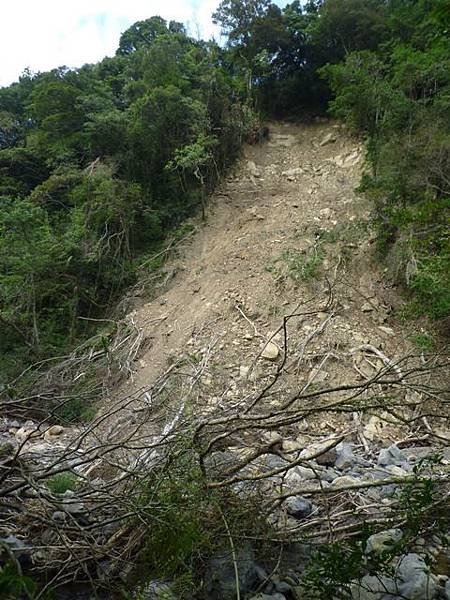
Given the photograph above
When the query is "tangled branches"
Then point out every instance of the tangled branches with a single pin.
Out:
(87, 499)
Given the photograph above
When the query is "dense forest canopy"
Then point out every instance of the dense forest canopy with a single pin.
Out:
(98, 164)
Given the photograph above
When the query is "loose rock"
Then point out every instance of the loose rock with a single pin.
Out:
(385, 540)
(298, 507)
(374, 587)
(271, 351)
(345, 458)
(330, 138)
(391, 456)
(415, 581)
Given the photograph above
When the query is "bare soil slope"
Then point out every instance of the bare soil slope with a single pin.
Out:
(286, 234)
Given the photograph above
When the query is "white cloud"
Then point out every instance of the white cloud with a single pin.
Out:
(45, 34)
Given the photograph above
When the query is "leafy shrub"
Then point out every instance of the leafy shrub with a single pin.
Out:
(62, 482)
(13, 584)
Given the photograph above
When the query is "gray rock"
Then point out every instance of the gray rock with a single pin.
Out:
(261, 573)
(219, 461)
(328, 475)
(414, 579)
(71, 504)
(283, 587)
(345, 458)
(392, 456)
(274, 462)
(14, 544)
(59, 516)
(447, 589)
(326, 458)
(385, 540)
(220, 577)
(374, 587)
(74, 508)
(298, 507)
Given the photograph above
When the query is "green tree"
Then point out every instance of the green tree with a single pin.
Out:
(142, 34)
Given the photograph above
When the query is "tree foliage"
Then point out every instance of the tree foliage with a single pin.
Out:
(85, 185)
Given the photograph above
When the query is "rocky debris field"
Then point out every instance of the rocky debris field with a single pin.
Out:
(276, 345)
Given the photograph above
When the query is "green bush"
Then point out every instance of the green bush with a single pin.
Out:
(62, 482)
(13, 584)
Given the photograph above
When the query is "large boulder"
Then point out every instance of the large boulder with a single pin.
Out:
(414, 579)
(374, 587)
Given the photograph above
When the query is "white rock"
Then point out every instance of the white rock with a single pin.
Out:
(253, 169)
(271, 351)
(292, 172)
(344, 481)
(328, 139)
(243, 372)
(386, 330)
(55, 430)
(367, 307)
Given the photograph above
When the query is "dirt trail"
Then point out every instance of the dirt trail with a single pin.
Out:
(282, 229)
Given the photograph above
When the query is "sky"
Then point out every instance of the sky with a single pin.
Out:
(44, 34)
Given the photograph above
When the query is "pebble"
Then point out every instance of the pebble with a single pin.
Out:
(386, 330)
(330, 138)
